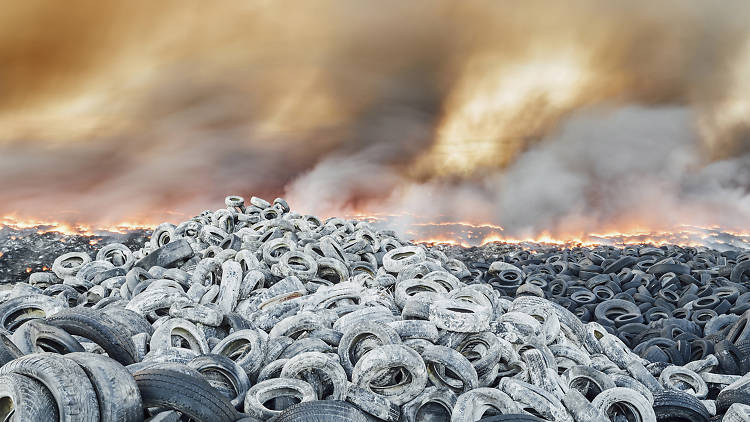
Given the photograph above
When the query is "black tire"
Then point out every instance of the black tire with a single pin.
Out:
(510, 418)
(36, 336)
(116, 390)
(661, 269)
(224, 374)
(743, 347)
(321, 411)
(194, 397)
(68, 383)
(740, 330)
(606, 311)
(728, 356)
(131, 320)
(727, 398)
(678, 406)
(20, 309)
(168, 255)
(99, 328)
(738, 271)
(25, 399)
(8, 350)
(236, 322)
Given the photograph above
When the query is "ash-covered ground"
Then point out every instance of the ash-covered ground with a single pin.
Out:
(23, 251)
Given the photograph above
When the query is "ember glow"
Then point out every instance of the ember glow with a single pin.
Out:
(571, 122)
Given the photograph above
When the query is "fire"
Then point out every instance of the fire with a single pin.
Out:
(28, 270)
(686, 236)
(457, 233)
(69, 229)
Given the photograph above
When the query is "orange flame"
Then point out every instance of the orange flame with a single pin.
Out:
(67, 228)
(458, 233)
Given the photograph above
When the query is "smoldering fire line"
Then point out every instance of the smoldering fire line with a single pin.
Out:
(563, 119)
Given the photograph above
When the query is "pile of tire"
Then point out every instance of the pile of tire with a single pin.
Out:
(258, 313)
(670, 304)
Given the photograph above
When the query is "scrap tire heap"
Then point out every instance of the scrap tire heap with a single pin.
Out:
(254, 312)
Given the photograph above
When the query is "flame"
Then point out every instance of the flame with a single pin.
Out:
(69, 229)
(457, 233)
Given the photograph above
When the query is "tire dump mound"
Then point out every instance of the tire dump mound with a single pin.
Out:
(254, 312)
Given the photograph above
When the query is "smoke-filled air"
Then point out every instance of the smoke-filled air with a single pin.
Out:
(536, 119)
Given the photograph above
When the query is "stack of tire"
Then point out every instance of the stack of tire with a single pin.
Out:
(258, 313)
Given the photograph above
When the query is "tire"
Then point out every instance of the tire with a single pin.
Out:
(275, 389)
(373, 404)
(116, 390)
(672, 375)
(441, 359)
(533, 399)
(397, 259)
(729, 397)
(605, 312)
(471, 405)
(178, 327)
(8, 350)
(66, 381)
(167, 256)
(677, 406)
(99, 328)
(740, 330)
(661, 269)
(728, 356)
(35, 336)
(587, 380)
(26, 399)
(70, 263)
(459, 315)
(312, 362)
(388, 357)
(609, 401)
(246, 347)
(18, 310)
(580, 408)
(744, 355)
(192, 396)
(739, 271)
(321, 411)
(377, 334)
(738, 412)
(130, 320)
(224, 374)
(430, 399)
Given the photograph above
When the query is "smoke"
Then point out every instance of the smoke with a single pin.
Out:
(573, 118)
